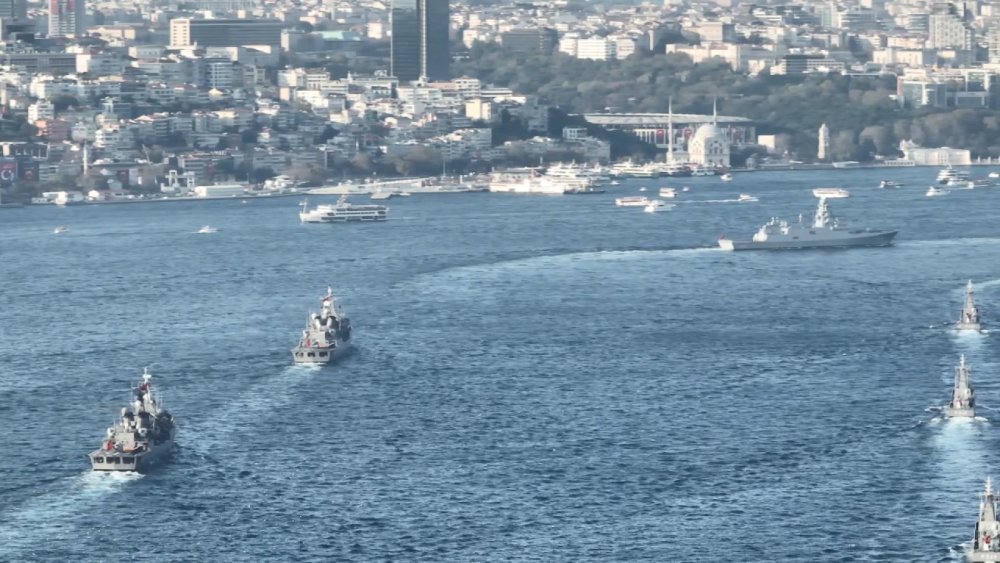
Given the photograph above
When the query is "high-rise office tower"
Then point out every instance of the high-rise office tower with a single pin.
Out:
(67, 18)
(420, 43)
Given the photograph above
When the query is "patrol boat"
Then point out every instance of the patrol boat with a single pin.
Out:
(970, 313)
(824, 232)
(963, 398)
(986, 541)
(142, 437)
(327, 335)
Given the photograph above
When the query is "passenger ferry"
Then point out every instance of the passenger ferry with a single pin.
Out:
(343, 212)
(831, 193)
(632, 201)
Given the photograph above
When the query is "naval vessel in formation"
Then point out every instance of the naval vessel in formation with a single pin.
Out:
(327, 335)
(986, 541)
(970, 313)
(963, 398)
(824, 232)
(142, 437)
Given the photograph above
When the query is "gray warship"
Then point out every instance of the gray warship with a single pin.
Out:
(986, 541)
(142, 437)
(970, 313)
(327, 335)
(824, 232)
(963, 398)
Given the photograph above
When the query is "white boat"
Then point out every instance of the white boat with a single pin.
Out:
(632, 201)
(976, 184)
(889, 184)
(985, 545)
(994, 174)
(343, 212)
(668, 192)
(727, 177)
(950, 174)
(642, 189)
(59, 230)
(685, 189)
(404, 194)
(747, 198)
(831, 193)
(207, 230)
(657, 205)
(934, 191)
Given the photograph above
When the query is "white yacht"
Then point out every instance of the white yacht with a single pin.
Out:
(831, 193)
(629, 169)
(207, 230)
(934, 191)
(747, 198)
(727, 177)
(642, 189)
(657, 205)
(343, 212)
(668, 192)
(632, 201)
(950, 174)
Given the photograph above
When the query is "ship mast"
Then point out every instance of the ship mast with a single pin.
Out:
(969, 312)
(962, 395)
(822, 218)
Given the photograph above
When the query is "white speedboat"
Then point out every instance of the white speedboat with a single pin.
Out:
(994, 174)
(59, 230)
(934, 191)
(632, 201)
(747, 198)
(685, 189)
(207, 230)
(831, 193)
(642, 189)
(727, 177)
(657, 205)
(976, 184)
(889, 184)
(668, 192)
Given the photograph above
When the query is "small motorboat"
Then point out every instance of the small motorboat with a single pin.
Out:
(727, 177)
(994, 174)
(656, 205)
(642, 189)
(685, 189)
(889, 184)
(831, 193)
(934, 191)
(207, 230)
(59, 230)
(747, 198)
(668, 192)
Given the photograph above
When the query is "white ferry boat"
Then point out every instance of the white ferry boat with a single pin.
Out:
(668, 192)
(831, 193)
(629, 169)
(632, 201)
(343, 212)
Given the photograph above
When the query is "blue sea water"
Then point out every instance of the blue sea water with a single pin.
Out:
(537, 378)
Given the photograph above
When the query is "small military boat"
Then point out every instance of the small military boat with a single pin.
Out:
(963, 398)
(970, 312)
(327, 335)
(986, 540)
(142, 437)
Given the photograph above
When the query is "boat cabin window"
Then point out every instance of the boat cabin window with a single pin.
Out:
(112, 460)
(128, 459)
(311, 355)
(322, 354)
(99, 459)
(298, 354)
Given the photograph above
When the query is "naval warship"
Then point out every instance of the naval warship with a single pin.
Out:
(986, 542)
(327, 335)
(824, 232)
(970, 313)
(142, 437)
(963, 398)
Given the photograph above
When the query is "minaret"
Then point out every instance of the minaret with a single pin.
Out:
(823, 151)
(670, 131)
(715, 113)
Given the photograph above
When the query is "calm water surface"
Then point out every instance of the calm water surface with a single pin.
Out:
(536, 378)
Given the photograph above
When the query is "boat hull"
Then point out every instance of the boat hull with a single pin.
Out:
(984, 556)
(320, 356)
(115, 461)
(959, 412)
(972, 327)
(877, 238)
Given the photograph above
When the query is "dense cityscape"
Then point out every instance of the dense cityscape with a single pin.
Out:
(108, 100)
